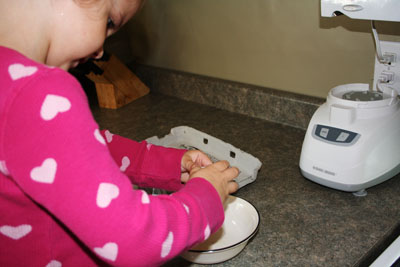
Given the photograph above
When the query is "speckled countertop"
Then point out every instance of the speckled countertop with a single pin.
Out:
(302, 223)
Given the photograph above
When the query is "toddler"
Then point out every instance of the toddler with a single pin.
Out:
(66, 196)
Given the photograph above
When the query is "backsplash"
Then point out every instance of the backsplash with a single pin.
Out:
(264, 103)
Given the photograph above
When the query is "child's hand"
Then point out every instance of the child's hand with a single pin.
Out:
(220, 175)
(190, 159)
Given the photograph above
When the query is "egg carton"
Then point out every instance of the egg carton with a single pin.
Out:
(189, 138)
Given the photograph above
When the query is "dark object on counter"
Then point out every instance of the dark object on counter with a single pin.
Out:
(115, 84)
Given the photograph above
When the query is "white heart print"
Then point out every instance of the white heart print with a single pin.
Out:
(109, 136)
(207, 232)
(54, 263)
(18, 71)
(145, 198)
(108, 251)
(167, 245)
(125, 163)
(16, 232)
(105, 194)
(99, 137)
(45, 173)
(52, 105)
(3, 168)
(186, 208)
(148, 146)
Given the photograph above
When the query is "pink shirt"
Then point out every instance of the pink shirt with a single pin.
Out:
(66, 196)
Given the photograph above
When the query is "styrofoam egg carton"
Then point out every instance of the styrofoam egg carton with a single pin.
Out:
(189, 138)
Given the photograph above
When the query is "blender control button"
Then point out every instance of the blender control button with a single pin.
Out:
(342, 137)
(324, 132)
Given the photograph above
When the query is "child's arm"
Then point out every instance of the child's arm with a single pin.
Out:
(55, 154)
(145, 164)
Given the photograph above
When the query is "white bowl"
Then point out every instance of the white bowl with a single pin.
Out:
(240, 225)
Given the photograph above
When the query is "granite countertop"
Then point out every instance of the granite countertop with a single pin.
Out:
(302, 223)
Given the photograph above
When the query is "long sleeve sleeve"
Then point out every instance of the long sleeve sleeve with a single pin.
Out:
(56, 154)
(145, 164)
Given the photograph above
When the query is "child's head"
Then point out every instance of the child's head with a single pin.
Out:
(81, 26)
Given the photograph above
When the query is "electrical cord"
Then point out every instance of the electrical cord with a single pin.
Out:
(378, 45)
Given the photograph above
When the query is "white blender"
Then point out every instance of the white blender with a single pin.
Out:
(353, 139)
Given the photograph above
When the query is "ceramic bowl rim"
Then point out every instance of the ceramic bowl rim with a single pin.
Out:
(235, 244)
